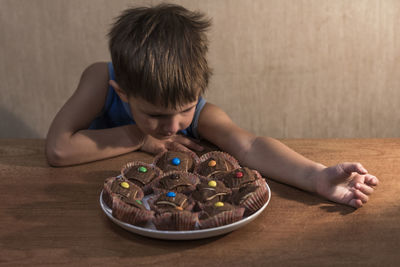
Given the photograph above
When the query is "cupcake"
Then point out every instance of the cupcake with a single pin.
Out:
(121, 188)
(131, 211)
(176, 161)
(251, 196)
(214, 162)
(141, 174)
(177, 181)
(210, 191)
(170, 202)
(173, 212)
(219, 214)
(239, 177)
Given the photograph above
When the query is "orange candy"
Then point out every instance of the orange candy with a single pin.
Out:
(212, 163)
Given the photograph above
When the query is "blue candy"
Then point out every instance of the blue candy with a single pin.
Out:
(176, 161)
(171, 194)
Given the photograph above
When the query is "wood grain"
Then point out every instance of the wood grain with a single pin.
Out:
(52, 216)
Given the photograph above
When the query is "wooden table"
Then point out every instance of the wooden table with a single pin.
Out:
(51, 216)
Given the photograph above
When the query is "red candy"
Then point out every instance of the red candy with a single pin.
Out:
(239, 174)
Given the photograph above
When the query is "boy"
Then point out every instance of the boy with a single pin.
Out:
(150, 98)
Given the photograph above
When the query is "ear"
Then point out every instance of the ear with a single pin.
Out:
(120, 92)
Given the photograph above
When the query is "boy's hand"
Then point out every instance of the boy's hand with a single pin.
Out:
(176, 143)
(347, 183)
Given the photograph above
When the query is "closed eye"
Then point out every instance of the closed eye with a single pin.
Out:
(155, 115)
(188, 110)
(166, 115)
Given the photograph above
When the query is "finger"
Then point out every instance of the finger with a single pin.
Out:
(159, 150)
(356, 203)
(350, 167)
(188, 143)
(364, 188)
(175, 146)
(361, 196)
(371, 180)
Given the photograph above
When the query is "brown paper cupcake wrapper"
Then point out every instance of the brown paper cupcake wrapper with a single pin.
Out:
(230, 159)
(193, 179)
(257, 174)
(257, 200)
(107, 193)
(130, 214)
(190, 153)
(176, 221)
(147, 189)
(223, 218)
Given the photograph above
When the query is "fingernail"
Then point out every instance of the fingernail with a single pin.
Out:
(358, 186)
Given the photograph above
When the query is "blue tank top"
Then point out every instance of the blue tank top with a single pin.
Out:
(118, 113)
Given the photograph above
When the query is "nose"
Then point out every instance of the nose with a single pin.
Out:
(171, 125)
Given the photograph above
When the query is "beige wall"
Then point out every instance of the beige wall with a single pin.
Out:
(283, 68)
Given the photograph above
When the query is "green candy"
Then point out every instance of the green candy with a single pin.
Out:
(138, 201)
(142, 169)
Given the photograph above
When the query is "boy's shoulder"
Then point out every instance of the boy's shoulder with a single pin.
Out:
(94, 82)
(100, 67)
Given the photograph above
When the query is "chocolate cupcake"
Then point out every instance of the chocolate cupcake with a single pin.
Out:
(219, 214)
(170, 202)
(121, 188)
(141, 174)
(173, 212)
(210, 191)
(237, 178)
(131, 211)
(251, 196)
(214, 162)
(177, 181)
(176, 161)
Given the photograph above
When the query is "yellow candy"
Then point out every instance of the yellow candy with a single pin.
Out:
(212, 163)
(179, 208)
(212, 183)
(219, 204)
(125, 185)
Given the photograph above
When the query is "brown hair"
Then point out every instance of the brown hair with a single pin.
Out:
(159, 54)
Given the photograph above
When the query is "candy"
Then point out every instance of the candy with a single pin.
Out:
(219, 204)
(138, 201)
(124, 185)
(171, 194)
(212, 184)
(142, 169)
(239, 174)
(212, 163)
(179, 208)
(176, 161)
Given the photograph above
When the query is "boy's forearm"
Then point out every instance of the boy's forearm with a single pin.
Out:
(277, 161)
(90, 145)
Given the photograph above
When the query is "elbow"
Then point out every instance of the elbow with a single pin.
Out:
(55, 156)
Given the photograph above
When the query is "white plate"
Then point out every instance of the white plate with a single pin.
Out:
(183, 235)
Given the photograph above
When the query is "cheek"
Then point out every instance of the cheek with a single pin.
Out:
(186, 120)
(145, 123)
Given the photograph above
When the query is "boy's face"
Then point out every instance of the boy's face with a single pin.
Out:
(160, 122)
